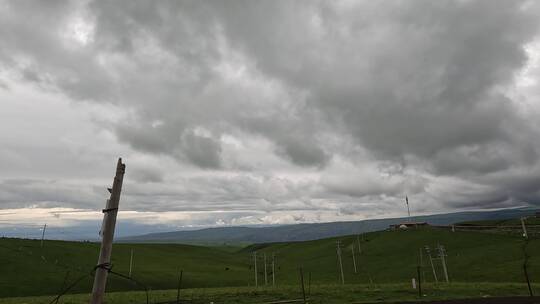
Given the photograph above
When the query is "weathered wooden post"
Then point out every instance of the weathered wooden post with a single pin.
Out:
(107, 233)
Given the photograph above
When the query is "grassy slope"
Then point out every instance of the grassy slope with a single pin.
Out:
(393, 257)
(504, 222)
(24, 272)
(388, 257)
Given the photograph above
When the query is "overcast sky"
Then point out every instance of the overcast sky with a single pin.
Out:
(263, 112)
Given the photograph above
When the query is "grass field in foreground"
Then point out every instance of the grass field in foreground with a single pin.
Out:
(27, 269)
(319, 294)
(387, 257)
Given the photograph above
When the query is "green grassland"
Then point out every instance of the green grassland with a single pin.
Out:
(388, 258)
(28, 269)
(392, 257)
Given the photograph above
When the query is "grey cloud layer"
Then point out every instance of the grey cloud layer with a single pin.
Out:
(374, 99)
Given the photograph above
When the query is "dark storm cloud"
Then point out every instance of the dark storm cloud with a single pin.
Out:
(342, 90)
(404, 77)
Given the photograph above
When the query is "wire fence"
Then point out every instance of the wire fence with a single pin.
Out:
(91, 274)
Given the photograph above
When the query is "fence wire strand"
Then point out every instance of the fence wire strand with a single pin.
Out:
(91, 274)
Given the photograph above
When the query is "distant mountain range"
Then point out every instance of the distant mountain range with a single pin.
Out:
(305, 232)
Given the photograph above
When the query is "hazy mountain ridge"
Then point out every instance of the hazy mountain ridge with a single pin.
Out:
(313, 231)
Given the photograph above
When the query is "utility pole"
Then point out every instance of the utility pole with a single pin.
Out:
(108, 225)
(353, 259)
(340, 263)
(43, 234)
(255, 263)
(524, 228)
(431, 262)
(442, 254)
(130, 263)
(265, 273)
(273, 269)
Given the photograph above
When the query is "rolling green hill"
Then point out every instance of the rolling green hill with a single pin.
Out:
(502, 222)
(28, 269)
(312, 231)
(387, 257)
(392, 256)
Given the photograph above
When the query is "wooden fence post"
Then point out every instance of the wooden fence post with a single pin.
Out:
(179, 287)
(419, 281)
(302, 283)
(527, 279)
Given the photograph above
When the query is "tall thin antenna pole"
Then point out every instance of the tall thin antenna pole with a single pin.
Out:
(130, 263)
(43, 234)
(108, 225)
(340, 263)
(353, 259)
